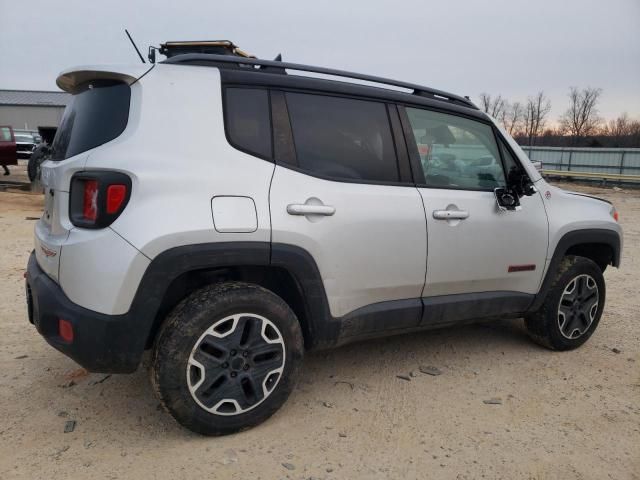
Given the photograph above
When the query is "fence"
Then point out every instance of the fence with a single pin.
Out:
(618, 161)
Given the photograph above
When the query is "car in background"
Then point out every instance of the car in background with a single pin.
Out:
(7, 148)
(41, 152)
(25, 142)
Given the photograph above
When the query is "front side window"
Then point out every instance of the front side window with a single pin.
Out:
(342, 138)
(456, 152)
(248, 121)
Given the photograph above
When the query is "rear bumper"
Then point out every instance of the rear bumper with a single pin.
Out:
(101, 343)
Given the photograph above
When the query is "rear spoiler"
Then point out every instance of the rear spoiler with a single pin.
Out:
(69, 80)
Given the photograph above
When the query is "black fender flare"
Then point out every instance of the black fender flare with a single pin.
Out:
(170, 264)
(572, 239)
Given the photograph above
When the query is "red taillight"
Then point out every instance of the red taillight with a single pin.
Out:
(90, 200)
(65, 330)
(97, 198)
(116, 194)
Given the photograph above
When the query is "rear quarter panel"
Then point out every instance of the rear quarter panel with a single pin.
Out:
(176, 153)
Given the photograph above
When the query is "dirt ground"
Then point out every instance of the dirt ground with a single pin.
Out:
(559, 415)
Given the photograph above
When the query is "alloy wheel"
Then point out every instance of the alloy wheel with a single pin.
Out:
(578, 306)
(236, 364)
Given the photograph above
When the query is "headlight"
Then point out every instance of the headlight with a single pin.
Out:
(614, 213)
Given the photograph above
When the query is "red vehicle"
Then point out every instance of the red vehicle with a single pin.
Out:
(8, 149)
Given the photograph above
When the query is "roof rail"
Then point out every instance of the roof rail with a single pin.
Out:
(417, 89)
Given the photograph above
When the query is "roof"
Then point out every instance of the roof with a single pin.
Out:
(34, 98)
(250, 64)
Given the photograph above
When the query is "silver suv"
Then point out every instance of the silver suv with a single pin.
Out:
(231, 216)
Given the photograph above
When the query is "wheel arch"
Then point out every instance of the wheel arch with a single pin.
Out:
(288, 271)
(600, 245)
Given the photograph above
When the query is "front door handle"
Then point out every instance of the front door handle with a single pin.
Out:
(450, 214)
(306, 209)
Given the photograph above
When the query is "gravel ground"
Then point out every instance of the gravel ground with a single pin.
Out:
(501, 407)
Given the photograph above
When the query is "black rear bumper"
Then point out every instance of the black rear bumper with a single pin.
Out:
(101, 343)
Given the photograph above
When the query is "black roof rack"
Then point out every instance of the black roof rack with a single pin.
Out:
(271, 64)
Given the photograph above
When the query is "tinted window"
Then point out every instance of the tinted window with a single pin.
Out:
(456, 152)
(97, 114)
(342, 138)
(247, 120)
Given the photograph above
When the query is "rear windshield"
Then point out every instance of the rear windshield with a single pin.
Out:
(98, 113)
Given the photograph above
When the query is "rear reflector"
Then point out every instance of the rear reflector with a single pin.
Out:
(65, 330)
(90, 201)
(116, 195)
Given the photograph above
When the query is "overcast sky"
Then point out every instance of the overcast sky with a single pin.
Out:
(511, 47)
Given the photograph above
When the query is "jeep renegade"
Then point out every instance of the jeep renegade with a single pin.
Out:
(230, 216)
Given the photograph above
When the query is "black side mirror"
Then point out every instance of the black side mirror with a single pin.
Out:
(507, 199)
(520, 183)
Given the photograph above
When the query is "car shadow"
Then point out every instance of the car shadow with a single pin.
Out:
(132, 396)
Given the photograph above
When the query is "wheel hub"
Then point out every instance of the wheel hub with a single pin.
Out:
(236, 364)
(578, 306)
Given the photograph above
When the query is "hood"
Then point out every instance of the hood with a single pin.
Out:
(579, 194)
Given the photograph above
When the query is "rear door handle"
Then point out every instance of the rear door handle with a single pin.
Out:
(450, 214)
(306, 209)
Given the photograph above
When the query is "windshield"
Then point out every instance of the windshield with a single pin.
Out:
(21, 137)
(97, 114)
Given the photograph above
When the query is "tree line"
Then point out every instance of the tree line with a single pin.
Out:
(579, 126)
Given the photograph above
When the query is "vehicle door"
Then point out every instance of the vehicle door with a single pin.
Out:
(342, 191)
(474, 247)
(8, 150)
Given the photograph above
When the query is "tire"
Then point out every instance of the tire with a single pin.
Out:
(578, 283)
(37, 157)
(227, 342)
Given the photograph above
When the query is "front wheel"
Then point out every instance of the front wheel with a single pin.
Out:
(573, 307)
(227, 358)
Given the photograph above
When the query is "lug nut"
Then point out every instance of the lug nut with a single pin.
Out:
(246, 366)
(225, 365)
(233, 352)
(233, 374)
(245, 354)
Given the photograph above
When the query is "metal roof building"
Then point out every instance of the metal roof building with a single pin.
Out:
(30, 109)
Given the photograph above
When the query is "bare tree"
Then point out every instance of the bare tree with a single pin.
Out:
(512, 117)
(535, 115)
(581, 118)
(618, 129)
(494, 106)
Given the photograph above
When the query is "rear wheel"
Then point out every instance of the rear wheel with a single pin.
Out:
(227, 358)
(573, 307)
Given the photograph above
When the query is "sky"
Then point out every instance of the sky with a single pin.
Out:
(510, 47)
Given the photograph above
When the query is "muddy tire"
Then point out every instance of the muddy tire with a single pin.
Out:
(227, 358)
(573, 306)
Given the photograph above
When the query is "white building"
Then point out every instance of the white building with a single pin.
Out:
(29, 109)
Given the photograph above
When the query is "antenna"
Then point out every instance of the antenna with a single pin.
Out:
(134, 45)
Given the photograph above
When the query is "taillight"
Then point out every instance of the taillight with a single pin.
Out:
(90, 200)
(116, 195)
(98, 198)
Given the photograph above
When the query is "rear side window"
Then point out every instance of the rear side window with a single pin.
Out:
(248, 120)
(97, 114)
(342, 138)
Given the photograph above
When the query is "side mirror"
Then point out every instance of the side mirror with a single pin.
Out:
(537, 166)
(507, 199)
